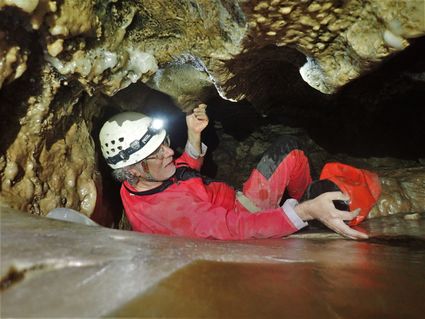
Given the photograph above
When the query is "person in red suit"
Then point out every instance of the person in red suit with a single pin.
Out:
(163, 195)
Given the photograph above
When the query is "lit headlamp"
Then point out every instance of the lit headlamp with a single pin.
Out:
(156, 124)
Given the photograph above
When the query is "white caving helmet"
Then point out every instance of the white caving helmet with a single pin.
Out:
(129, 137)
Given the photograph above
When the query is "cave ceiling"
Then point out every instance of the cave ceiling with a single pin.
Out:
(333, 64)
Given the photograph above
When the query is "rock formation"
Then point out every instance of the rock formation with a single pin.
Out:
(59, 59)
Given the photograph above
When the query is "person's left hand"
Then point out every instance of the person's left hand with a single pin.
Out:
(198, 120)
(323, 209)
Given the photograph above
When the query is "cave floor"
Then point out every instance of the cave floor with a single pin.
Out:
(51, 268)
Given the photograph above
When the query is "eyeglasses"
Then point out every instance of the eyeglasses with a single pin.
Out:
(159, 152)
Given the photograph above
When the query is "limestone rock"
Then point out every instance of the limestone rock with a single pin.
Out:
(341, 40)
(403, 191)
(12, 61)
(51, 160)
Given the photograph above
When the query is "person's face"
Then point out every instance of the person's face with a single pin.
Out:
(161, 163)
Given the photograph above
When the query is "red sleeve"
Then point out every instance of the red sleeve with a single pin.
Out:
(186, 159)
(203, 220)
(240, 224)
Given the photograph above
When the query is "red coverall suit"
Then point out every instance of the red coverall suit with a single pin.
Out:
(191, 205)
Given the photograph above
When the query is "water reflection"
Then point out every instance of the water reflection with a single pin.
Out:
(342, 279)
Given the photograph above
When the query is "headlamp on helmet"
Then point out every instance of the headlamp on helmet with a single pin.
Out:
(129, 137)
(157, 124)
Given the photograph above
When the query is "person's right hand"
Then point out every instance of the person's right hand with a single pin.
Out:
(198, 120)
(323, 209)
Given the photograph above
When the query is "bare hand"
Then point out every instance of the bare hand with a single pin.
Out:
(323, 209)
(198, 120)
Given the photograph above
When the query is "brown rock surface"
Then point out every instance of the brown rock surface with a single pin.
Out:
(403, 190)
(341, 40)
(51, 161)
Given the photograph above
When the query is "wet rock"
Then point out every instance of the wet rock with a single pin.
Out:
(50, 162)
(403, 190)
(339, 40)
(51, 268)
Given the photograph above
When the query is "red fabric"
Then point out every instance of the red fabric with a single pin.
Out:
(363, 187)
(193, 209)
(292, 174)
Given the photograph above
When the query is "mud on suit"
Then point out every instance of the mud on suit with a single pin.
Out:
(191, 205)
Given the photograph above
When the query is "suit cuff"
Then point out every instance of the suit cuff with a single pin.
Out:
(289, 211)
(189, 149)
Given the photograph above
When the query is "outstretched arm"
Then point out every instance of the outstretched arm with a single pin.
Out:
(196, 123)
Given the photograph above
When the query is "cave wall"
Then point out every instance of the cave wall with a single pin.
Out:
(59, 59)
(48, 156)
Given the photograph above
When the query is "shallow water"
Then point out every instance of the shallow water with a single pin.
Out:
(383, 278)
